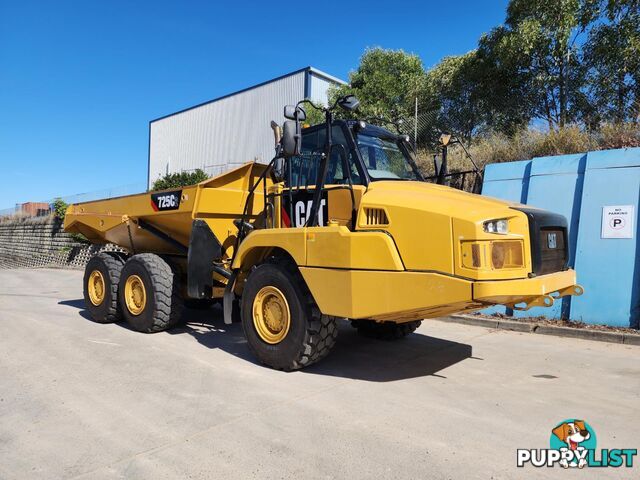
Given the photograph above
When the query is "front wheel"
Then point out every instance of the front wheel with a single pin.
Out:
(281, 322)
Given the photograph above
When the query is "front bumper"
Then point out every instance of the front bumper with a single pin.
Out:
(526, 293)
(404, 296)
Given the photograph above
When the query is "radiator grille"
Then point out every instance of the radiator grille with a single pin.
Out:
(553, 250)
(549, 240)
(375, 216)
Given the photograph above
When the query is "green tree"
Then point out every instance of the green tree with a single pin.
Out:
(59, 208)
(454, 86)
(181, 179)
(564, 62)
(505, 89)
(612, 57)
(540, 44)
(314, 115)
(386, 82)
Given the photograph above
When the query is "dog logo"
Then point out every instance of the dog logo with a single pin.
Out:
(572, 444)
(573, 434)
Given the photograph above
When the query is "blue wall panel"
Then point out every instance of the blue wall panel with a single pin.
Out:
(555, 184)
(507, 181)
(578, 186)
(608, 268)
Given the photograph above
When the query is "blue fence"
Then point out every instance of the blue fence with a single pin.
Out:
(583, 188)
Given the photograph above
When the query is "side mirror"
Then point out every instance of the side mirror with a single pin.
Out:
(445, 138)
(291, 138)
(349, 103)
(295, 113)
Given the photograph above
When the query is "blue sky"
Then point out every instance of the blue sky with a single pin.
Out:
(80, 80)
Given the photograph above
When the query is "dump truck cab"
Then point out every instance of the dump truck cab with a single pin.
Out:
(339, 225)
(361, 154)
(377, 217)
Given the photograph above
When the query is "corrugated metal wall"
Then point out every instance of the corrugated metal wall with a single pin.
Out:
(318, 87)
(224, 133)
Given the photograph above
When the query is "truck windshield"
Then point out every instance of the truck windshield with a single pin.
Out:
(384, 159)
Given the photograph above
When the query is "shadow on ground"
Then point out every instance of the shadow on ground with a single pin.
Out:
(79, 304)
(353, 356)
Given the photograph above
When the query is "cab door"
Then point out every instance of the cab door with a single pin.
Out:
(336, 201)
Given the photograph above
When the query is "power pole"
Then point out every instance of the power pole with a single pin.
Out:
(415, 126)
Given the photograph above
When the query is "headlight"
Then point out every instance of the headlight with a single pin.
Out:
(500, 226)
(493, 254)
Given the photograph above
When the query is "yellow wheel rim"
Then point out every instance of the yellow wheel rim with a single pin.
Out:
(96, 287)
(135, 295)
(271, 315)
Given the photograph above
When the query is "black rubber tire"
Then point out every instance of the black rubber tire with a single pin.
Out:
(110, 265)
(179, 278)
(385, 330)
(311, 335)
(164, 307)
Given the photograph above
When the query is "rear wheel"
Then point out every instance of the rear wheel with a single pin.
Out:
(149, 293)
(385, 330)
(100, 287)
(282, 323)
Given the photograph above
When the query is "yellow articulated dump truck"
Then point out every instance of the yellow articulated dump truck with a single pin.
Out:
(340, 225)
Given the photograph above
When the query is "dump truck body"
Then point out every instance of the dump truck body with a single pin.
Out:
(219, 201)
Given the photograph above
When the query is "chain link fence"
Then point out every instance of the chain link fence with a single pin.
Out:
(424, 131)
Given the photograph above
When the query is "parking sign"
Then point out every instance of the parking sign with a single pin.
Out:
(617, 221)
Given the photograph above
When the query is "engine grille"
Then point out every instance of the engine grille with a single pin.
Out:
(553, 251)
(549, 245)
(375, 216)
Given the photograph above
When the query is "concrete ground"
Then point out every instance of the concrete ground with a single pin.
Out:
(83, 400)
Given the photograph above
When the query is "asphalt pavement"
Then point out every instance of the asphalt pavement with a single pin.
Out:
(84, 400)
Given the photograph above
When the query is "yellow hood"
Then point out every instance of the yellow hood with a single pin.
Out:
(435, 198)
(427, 221)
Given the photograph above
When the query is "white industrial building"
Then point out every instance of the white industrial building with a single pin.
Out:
(228, 131)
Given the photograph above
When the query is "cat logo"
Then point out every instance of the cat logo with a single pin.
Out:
(302, 203)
